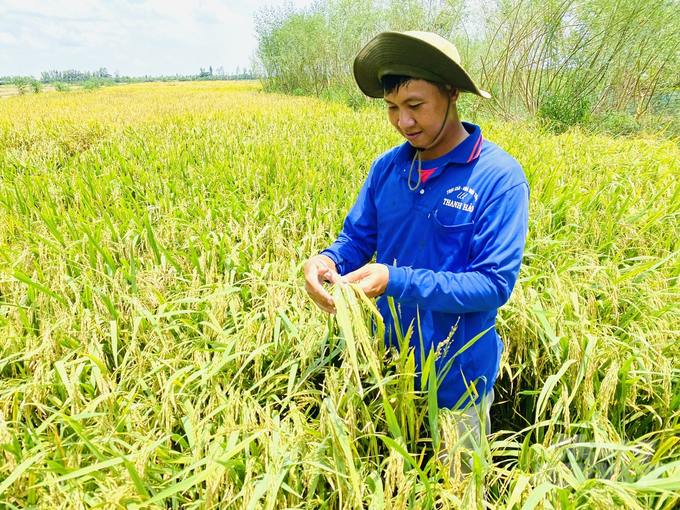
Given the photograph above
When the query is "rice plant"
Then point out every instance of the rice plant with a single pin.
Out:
(157, 349)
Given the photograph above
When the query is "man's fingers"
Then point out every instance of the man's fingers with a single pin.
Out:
(355, 276)
(318, 269)
(323, 300)
(326, 309)
(332, 276)
(316, 290)
(372, 278)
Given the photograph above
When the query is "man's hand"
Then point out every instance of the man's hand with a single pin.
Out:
(317, 269)
(372, 279)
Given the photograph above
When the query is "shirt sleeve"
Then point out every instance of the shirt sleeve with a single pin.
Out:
(496, 254)
(357, 242)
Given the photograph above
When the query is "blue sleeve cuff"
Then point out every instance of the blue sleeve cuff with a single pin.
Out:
(334, 257)
(397, 281)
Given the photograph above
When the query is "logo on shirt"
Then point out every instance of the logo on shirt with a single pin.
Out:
(461, 193)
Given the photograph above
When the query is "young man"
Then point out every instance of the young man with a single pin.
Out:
(445, 214)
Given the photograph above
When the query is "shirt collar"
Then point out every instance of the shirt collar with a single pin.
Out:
(465, 152)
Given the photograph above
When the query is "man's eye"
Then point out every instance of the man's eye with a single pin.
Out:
(391, 107)
(415, 105)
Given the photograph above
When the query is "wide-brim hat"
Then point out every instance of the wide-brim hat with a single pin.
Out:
(421, 55)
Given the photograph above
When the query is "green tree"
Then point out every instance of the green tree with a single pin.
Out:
(26, 83)
(563, 60)
(573, 58)
(292, 50)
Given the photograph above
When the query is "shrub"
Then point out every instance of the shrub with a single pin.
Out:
(60, 86)
(26, 83)
(616, 124)
(21, 83)
(563, 109)
(92, 84)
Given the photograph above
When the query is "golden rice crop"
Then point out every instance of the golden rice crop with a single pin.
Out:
(157, 349)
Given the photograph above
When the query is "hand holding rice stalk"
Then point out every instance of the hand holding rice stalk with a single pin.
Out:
(355, 329)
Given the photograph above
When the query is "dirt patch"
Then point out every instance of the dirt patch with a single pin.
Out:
(8, 91)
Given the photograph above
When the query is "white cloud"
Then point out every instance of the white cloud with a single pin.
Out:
(7, 39)
(135, 36)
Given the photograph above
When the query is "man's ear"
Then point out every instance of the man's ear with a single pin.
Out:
(454, 95)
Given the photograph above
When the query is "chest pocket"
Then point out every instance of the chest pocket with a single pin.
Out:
(451, 245)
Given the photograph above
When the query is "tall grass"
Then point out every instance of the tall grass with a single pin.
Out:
(157, 349)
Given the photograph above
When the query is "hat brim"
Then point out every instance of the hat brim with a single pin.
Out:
(396, 53)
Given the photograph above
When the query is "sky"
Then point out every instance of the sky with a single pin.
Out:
(134, 37)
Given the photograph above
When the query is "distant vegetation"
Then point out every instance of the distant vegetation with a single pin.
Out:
(565, 62)
(63, 80)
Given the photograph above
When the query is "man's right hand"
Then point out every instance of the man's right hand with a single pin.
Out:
(318, 269)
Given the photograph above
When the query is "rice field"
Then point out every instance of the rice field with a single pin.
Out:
(157, 348)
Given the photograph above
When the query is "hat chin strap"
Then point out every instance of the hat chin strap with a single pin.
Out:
(446, 117)
(421, 149)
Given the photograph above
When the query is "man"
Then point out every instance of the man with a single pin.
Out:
(445, 214)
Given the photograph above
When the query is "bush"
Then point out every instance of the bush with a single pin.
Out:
(21, 83)
(622, 124)
(60, 86)
(616, 124)
(35, 86)
(26, 83)
(337, 93)
(92, 84)
(562, 109)
(107, 82)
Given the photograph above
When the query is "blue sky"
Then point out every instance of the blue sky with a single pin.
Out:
(135, 37)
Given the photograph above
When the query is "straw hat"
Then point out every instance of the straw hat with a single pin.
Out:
(421, 55)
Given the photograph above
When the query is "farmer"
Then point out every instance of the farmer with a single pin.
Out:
(445, 214)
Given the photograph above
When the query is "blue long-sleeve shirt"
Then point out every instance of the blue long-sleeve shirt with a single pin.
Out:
(453, 248)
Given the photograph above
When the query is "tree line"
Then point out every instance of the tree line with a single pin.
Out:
(563, 60)
(63, 80)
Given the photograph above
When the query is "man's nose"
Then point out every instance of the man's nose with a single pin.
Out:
(405, 120)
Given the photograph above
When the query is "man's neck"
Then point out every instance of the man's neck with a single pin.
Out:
(453, 135)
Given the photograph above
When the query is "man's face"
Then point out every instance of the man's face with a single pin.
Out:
(417, 110)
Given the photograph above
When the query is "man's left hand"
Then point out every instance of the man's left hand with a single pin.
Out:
(372, 278)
